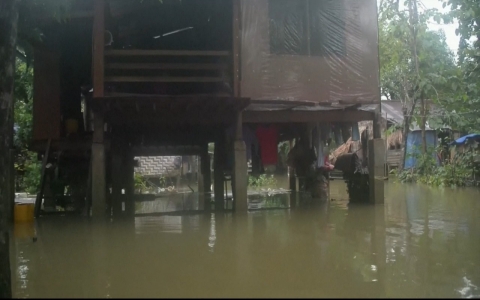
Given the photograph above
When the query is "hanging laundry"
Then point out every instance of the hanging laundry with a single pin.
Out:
(355, 132)
(338, 135)
(325, 131)
(317, 134)
(346, 132)
(268, 139)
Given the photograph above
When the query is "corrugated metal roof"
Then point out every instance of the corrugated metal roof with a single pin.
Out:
(393, 111)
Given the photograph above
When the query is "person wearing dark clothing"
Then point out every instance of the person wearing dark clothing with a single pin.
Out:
(301, 157)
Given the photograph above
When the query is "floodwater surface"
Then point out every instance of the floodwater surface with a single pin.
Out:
(422, 243)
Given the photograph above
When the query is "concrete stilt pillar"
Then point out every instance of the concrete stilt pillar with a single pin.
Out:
(376, 163)
(240, 168)
(206, 177)
(99, 186)
(292, 179)
(218, 186)
(291, 174)
(240, 177)
(129, 185)
(116, 184)
(99, 193)
(200, 184)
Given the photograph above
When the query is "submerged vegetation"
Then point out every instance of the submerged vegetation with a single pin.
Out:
(262, 181)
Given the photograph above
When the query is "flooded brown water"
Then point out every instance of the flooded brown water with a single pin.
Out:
(422, 243)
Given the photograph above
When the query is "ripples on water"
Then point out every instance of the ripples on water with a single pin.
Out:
(422, 243)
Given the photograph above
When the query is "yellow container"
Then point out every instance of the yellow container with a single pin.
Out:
(24, 213)
(24, 230)
(71, 126)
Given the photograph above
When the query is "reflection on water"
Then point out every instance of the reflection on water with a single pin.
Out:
(422, 243)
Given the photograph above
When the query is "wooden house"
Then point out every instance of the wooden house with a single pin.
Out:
(166, 78)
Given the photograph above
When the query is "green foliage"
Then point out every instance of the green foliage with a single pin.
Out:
(144, 185)
(30, 181)
(140, 183)
(262, 181)
(27, 166)
(403, 38)
(458, 172)
(23, 105)
(462, 105)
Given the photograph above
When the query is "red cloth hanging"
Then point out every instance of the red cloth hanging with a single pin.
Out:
(268, 140)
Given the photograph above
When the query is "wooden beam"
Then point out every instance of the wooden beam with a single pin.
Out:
(98, 48)
(172, 98)
(145, 66)
(293, 103)
(49, 18)
(324, 116)
(163, 118)
(137, 52)
(236, 48)
(161, 79)
(77, 146)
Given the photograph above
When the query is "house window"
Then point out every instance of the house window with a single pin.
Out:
(307, 27)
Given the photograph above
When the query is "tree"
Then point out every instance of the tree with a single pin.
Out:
(27, 166)
(463, 105)
(414, 60)
(9, 16)
(8, 35)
